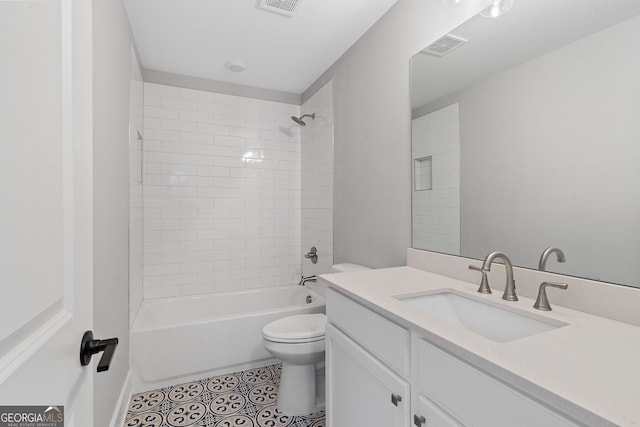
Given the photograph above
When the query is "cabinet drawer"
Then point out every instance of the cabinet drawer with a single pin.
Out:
(474, 398)
(383, 338)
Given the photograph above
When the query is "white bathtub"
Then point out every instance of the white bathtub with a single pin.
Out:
(181, 339)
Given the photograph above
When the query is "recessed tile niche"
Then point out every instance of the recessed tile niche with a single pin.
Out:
(422, 173)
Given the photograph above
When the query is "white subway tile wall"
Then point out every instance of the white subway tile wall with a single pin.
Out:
(317, 181)
(136, 123)
(436, 212)
(222, 201)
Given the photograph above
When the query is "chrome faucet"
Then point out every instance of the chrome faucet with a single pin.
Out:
(546, 253)
(304, 280)
(510, 286)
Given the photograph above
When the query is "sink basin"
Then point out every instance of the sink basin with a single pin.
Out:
(494, 322)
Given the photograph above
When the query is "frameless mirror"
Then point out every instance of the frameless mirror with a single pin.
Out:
(526, 134)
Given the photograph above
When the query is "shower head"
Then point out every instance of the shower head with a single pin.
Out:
(301, 122)
(298, 120)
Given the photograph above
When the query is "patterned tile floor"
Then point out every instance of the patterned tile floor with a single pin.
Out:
(245, 398)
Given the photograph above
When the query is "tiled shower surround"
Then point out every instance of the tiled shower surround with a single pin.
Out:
(317, 181)
(221, 183)
(136, 125)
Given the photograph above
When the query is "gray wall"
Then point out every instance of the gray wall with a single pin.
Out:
(372, 212)
(550, 158)
(111, 197)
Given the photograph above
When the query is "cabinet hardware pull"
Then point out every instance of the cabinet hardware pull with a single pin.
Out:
(395, 398)
(418, 420)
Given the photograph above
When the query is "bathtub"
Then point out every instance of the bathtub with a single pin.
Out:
(181, 339)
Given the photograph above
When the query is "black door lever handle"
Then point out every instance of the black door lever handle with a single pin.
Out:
(89, 347)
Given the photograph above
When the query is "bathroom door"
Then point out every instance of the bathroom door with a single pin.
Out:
(45, 206)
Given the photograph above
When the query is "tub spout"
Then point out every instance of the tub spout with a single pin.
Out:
(304, 280)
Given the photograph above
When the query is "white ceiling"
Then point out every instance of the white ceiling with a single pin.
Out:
(197, 37)
(531, 28)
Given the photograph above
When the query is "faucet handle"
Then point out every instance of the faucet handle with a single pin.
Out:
(542, 302)
(312, 255)
(484, 282)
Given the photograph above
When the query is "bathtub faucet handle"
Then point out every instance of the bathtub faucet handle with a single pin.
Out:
(304, 280)
(312, 255)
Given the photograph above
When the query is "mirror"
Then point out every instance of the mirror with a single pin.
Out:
(527, 135)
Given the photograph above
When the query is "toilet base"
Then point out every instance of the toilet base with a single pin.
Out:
(297, 393)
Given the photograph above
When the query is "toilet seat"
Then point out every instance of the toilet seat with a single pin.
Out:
(301, 328)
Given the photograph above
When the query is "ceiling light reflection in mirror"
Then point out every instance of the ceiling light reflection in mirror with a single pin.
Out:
(497, 9)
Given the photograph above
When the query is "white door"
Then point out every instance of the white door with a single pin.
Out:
(45, 205)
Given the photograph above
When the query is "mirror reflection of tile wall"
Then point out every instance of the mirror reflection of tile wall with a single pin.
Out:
(436, 207)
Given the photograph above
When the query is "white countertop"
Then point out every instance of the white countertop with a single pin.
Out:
(589, 369)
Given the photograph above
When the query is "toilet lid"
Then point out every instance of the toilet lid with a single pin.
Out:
(298, 328)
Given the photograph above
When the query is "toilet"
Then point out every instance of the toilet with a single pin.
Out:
(299, 341)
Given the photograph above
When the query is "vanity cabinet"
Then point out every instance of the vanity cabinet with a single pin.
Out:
(371, 382)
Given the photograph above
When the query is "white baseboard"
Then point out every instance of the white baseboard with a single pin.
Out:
(120, 413)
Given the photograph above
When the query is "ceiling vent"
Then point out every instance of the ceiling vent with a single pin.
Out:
(444, 45)
(283, 7)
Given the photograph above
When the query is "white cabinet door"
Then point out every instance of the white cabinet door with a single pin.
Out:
(360, 388)
(45, 212)
(430, 415)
